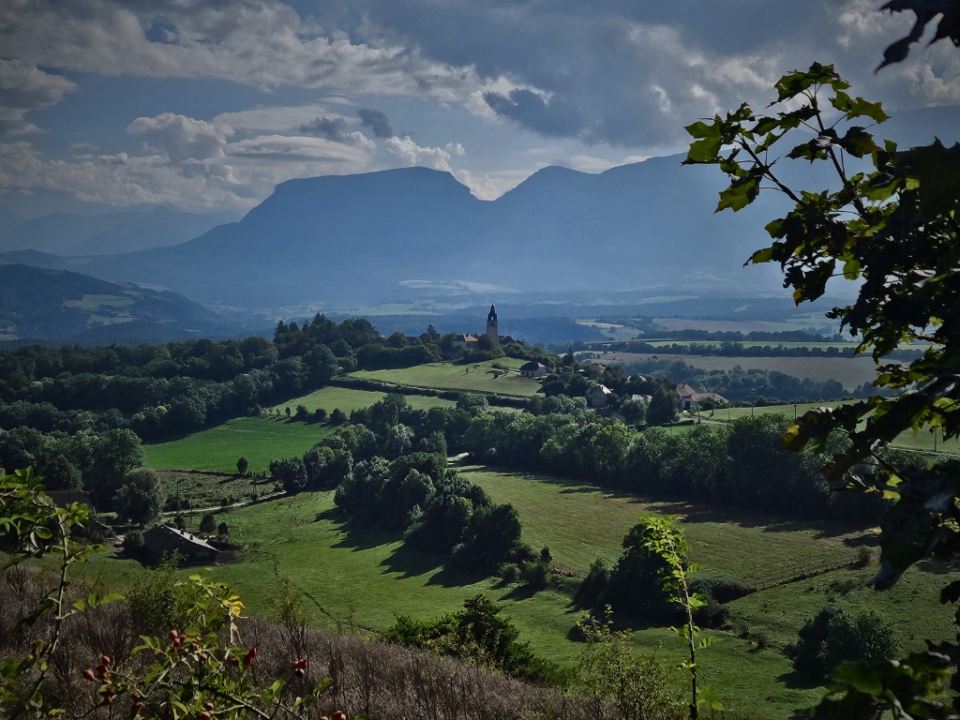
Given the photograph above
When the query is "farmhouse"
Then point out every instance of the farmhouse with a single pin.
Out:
(598, 396)
(690, 398)
(166, 540)
(533, 369)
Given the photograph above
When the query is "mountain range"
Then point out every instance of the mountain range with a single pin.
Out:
(369, 237)
(397, 235)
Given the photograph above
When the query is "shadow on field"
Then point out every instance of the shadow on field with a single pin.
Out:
(795, 681)
(356, 536)
(410, 563)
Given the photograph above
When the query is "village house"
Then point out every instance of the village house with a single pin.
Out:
(690, 398)
(166, 540)
(465, 341)
(533, 369)
(598, 396)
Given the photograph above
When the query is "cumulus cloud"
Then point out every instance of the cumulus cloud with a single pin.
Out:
(182, 138)
(254, 42)
(24, 87)
(527, 108)
(633, 74)
(376, 121)
(188, 162)
(410, 154)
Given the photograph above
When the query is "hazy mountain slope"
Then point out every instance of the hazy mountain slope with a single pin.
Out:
(138, 234)
(8, 220)
(320, 238)
(341, 238)
(107, 234)
(37, 303)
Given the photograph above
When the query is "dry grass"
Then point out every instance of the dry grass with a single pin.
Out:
(367, 678)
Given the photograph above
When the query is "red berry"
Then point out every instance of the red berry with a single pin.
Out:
(105, 660)
(88, 674)
(205, 715)
(234, 661)
(339, 716)
(208, 705)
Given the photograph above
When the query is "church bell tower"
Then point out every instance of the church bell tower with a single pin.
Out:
(492, 329)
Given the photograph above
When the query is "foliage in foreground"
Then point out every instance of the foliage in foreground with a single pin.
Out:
(71, 653)
(893, 226)
(478, 632)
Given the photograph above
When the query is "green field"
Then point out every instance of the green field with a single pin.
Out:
(921, 441)
(260, 440)
(447, 376)
(348, 400)
(851, 372)
(357, 578)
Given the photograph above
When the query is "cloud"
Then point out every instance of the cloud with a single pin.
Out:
(490, 186)
(410, 154)
(633, 74)
(376, 121)
(263, 43)
(530, 110)
(182, 138)
(24, 87)
(330, 128)
(187, 162)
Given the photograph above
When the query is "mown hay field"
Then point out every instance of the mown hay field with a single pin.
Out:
(851, 372)
(348, 400)
(447, 376)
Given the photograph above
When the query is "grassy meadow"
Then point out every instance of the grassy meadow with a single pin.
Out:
(258, 439)
(356, 578)
(447, 376)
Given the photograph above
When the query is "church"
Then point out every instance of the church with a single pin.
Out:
(466, 341)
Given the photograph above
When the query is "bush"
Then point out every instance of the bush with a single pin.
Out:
(223, 529)
(338, 417)
(834, 636)
(133, 541)
(535, 574)
(509, 572)
(208, 523)
(320, 414)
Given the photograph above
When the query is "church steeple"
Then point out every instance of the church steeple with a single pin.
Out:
(492, 327)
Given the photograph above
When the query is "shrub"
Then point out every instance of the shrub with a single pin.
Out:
(133, 541)
(509, 572)
(834, 636)
(338, 417)
(223, 529)
(208, 523)
(535, 574)
(320, 414)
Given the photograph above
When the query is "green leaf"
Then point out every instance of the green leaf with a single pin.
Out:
(860, 677)
(741, 193)
(704, 151)
(859, 108)
(701, 129)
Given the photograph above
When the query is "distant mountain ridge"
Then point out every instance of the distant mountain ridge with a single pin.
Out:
(68, 234)
(351, 240)
(335, 239)
(56, 304)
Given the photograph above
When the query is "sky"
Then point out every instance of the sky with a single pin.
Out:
(208, 104)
